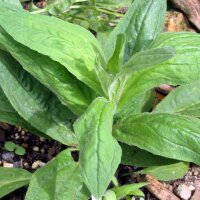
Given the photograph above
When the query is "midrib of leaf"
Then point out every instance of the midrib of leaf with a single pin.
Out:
(162, 138)
(98, 143)
(7, 182)
(179, 145)
(175, 37)
(186, 107)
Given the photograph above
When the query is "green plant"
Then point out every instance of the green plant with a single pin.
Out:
(11, 146)
(99, 16)
(54, 73)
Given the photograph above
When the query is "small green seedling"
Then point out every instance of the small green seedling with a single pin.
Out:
(11, 146)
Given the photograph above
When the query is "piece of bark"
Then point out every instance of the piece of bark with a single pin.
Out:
(196, 195)
(191, 8)
(158, 190)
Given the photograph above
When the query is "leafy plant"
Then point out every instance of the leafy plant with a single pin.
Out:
(99, 16)
(11, 146)
(57, 79)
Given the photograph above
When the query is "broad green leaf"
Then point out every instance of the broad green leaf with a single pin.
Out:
(10, 116)
(94, 133)
(135, 156)
(116, 61)
(142, 23)
(68, 89)
(12, 179)
(184, 100)
(148, 58)
(36, 104)
(168, 135)
(131, 189)
(141, 103)
(12, 3)
(183, 68)
(139, 61)
(60, 179)
(167, 172)
(72, 46)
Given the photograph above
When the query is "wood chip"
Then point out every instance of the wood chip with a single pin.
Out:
(158, 190)
(196, 195)
(191, 8)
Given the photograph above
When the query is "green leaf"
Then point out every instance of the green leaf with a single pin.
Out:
(59, 179)
(135, 156)
(9, 146)
(72, 46)
(12, 179)
(68, 89)
(148, 58)
(139, 61)
(167, 172)
(98, 165)
(56, 7)
(183, 68)
(10, 116)
(12, 3)
(109, 195)
(142, 23)
(141, 103)
(115, 62)
(168, 135)
(34, 102)
(20, 150)
(130, 189)
(183, 100)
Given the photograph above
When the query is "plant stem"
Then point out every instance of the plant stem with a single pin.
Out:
(39, 11)
(93, 198)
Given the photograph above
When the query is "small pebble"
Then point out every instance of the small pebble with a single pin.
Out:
(6, 164)
(8, 156)
(196, 173)
(42, 139)
(37, 164)
(26, 165)
(190, 173)
(192, 188)
(35, 148)
(183, 191)
(18, 164)
(42, 150)
(23, 132)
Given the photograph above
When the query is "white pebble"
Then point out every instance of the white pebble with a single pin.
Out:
(9, 165)
(183, 191)
(37, 164)
(35, 148)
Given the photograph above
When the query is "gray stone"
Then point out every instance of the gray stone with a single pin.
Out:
(183, 191)
(8, 156)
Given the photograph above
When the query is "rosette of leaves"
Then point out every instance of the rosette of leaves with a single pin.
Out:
(56, 79)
